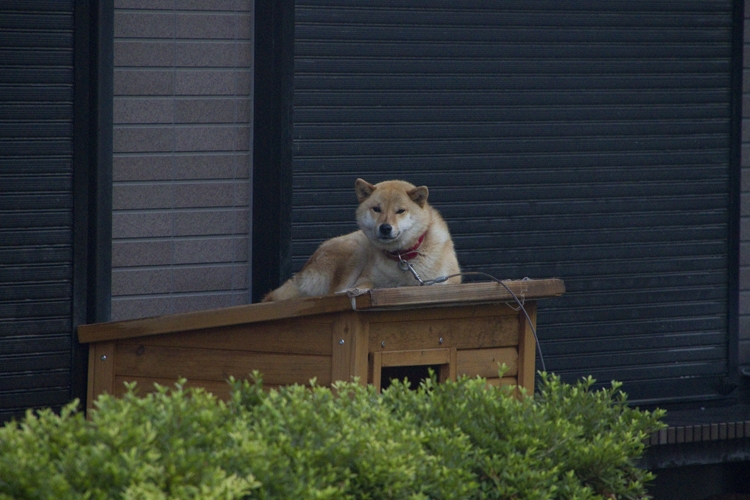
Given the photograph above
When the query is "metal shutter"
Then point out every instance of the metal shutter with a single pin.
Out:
(588, 141)
(36, 204)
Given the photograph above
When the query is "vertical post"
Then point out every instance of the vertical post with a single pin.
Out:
(731, 379)
(526, 348)
(449, 371)
(101, 371)
(350, 345)
(272, 145)
(376, 368)
(92, 175)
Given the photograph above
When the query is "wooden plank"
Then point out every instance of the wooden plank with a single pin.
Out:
(384, 298)
(416, 357)
(442, 312)
(349, 348)
(360, 338)
(416, 296)
(449, 371)
(341, 350)
(146, 385)
(502, 382)
(101, 371)
(527, 349)
(291, 336)
(221, 390)
(376, 364)
(91, 392)
(484, 362)
(459, 333)
(218, 364)
(252, 313)
(453, 369)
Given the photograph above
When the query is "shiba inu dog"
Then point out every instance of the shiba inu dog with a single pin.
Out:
(397, 226)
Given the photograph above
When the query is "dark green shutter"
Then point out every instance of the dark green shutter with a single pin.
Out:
(36, 204)
(588, 141)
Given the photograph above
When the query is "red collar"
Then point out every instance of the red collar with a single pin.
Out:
(407, 254)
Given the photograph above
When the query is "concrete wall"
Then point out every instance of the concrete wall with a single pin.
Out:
(182, 155)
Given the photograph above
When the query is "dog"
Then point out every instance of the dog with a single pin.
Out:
(397, 226)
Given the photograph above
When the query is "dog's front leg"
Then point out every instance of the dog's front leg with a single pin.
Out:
(361, 286)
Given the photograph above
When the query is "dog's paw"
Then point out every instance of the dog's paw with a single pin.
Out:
(355, 292)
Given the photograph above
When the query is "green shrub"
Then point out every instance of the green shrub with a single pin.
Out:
(442, 441)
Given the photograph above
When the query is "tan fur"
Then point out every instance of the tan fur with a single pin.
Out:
(357, 260)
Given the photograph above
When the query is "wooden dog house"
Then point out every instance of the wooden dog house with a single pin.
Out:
(458, 329)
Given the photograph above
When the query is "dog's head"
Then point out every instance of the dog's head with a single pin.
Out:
(392, 214)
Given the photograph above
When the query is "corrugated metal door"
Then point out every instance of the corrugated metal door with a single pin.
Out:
(36, 204)
(583, 140)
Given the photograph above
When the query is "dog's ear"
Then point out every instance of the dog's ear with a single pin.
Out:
(419, 195)
(363, 189)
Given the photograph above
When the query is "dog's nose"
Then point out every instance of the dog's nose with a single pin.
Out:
(385, 229)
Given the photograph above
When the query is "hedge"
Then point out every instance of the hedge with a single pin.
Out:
(444, 441)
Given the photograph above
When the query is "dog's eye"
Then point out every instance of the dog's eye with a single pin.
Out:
(400, 211)
(376, 209)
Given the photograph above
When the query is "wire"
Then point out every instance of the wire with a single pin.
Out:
(443, 279)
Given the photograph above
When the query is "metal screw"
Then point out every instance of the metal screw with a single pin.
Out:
(382, 344)
(104, 356)
(341, 342)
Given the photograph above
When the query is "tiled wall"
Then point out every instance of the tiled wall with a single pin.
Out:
(182, 155)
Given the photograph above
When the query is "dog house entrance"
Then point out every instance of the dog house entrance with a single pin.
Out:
(414, 374)
(414, 365)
